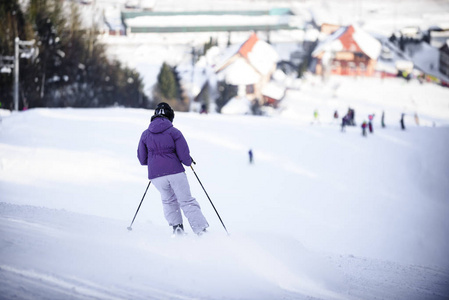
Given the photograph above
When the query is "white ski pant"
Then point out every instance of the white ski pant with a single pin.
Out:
(175, 195)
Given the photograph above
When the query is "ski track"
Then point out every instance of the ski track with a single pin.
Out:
(348, 277)
(376, 279)
(30, 284)
(25, 227)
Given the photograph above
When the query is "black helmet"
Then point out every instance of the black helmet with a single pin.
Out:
(163, 110)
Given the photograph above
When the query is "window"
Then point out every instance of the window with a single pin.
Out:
(362, 67)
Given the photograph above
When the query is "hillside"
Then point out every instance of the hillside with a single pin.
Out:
(320, 214)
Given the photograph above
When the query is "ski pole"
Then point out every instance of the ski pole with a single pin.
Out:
(208, 197)
(130, 226)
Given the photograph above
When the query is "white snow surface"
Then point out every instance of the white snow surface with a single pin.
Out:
(239, 105)
(321, 214)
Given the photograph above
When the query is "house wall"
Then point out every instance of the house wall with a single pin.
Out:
(254, 91)
(349, 64)
(444, 60)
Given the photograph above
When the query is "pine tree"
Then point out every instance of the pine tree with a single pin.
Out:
(72, 68)
(166, 82)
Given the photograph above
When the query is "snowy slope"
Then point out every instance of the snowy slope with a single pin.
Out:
(320, 215)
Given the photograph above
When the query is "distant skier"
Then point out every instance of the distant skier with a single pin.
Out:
(350, 121)
(402, 121)
(344, 122)
(370, 123)
(416, 119)
(164, 149)
(382, 120)
(316, 116)
(364, 128)
(250, 154)
(336, 117)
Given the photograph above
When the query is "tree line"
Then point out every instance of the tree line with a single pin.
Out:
(71, 69)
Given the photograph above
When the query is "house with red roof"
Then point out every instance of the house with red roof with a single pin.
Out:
(249, 68)
(347, 51)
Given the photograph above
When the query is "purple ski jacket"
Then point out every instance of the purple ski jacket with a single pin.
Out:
(163, 149)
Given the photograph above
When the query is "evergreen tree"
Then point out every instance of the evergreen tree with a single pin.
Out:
(177, 77)
(72, 68)
(166, 82)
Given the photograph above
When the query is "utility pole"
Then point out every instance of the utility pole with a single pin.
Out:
(16, 73)
(17, 51)
(192, 83)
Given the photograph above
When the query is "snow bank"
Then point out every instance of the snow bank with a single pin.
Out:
(237, 106)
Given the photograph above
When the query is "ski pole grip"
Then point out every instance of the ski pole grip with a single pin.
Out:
(194, 162)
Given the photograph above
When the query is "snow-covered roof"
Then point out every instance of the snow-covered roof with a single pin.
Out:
(334, 43)
(331, 43)
(262, 57)
(426, 59)
(112, 18)
(367, 43)
(253, 59)
(241, 72)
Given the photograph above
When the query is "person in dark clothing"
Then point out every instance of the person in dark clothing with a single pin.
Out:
(364, 128)
(250, 153)
(370, 123)
(351, 117)
(402, 121)
(383, 119)
(344, 122)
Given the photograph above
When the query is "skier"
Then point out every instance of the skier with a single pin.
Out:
(164, 149)
(402, 121)
(416, 119)
(370, 123)
(336, 117)
(250, 153)
(316, 116)
(350, 117)
(383, 119)
(364, 128)
(344, 122)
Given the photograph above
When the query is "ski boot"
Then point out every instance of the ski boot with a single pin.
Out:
(178, 230)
